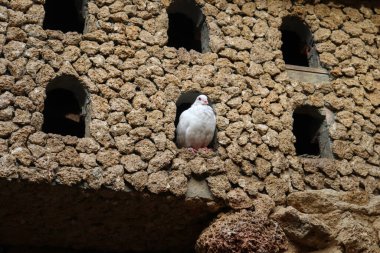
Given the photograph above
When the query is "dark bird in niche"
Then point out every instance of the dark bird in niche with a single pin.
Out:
(62, 114)
(295, 50)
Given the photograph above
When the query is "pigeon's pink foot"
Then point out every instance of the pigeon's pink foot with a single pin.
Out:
(206, 149)
(192, 150)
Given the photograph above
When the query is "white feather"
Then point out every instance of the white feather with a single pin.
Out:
(196, 125)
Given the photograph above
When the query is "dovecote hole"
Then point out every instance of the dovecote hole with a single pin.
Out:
(65, 15)
(311, 132)
(65, 107)
(297, 43)
(187, 26)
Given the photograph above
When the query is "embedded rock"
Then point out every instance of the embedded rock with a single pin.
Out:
(242, 232)
(303, 229)
(321, 218)
(324, 201)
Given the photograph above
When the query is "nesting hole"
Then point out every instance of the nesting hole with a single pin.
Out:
(65, 111)
(183, 103)
(310, 130)
(298, 46)
(65, 15)
(187, 26)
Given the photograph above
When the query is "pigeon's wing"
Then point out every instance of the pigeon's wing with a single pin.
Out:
(210, 126)
(182, 127)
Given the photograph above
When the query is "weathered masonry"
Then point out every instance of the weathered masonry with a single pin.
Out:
(91, 92)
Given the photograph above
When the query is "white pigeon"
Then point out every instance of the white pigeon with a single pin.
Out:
(196, 125)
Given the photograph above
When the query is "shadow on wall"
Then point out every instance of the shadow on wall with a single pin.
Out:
(25, 249)
(67, 218)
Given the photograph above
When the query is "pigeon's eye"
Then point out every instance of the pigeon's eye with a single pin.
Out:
(199, 99)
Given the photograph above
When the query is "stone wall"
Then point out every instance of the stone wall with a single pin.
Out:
(134, 82)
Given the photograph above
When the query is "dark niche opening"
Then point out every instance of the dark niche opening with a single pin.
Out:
(184, 102)
(65, 15)
(187, 26)
(298, 46)
(311, 132)
(65, 107)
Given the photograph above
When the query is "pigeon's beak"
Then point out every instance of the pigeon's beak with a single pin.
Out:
(205, 102)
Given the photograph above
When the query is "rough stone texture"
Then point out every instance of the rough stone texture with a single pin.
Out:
(324, 218)
(131, 86)
(312, 232)
(242, 232)
(134, 80)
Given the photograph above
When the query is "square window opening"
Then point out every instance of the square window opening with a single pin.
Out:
(65, 15)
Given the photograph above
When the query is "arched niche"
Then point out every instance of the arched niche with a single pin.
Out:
(311, 131)
(183, 103)
(65, 107)
(297, 43)
(187, 26)
(65, 15)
